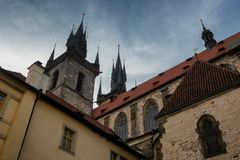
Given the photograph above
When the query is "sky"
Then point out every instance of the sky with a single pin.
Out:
(154, 35)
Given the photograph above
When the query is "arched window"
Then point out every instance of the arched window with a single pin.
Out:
(79, 81)
(121, 126)
(211, 139)
(150, 111)
(54, 79)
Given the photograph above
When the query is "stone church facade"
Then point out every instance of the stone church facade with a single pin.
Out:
(137, 113)
(170, 116)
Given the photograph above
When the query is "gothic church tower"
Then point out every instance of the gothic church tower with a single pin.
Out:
(118, 81)
(72, 77)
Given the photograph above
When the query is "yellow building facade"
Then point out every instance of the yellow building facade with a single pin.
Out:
(49, 128)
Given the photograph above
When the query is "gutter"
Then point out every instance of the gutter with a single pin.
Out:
(29, 121)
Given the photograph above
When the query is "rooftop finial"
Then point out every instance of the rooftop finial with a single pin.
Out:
(204, 28)
(83, 15)
(118, 48)
(135, 83)
(196, 55)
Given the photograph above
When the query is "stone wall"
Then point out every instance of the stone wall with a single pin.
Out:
(180, 140)
(67, 82)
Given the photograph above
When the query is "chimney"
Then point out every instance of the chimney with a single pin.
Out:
(37, 77)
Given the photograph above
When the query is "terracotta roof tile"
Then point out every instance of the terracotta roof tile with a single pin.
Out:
(200, 82)
(167, 76)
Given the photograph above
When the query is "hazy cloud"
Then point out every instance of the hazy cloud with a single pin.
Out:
(154, 35)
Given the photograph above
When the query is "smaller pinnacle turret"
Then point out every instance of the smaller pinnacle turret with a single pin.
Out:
(97, 58)
(100, 88)
(78, 42)
(119, 77)
(208, 37)
(51, 58)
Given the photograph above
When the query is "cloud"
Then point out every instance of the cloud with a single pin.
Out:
(154, 35)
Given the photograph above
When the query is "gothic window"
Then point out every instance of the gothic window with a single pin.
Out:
(134, 126)
(133, 112)
(150, 112)
(79, 81)
(54, 79)
(210, 136)
(121, 126)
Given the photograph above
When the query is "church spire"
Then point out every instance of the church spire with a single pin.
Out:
(124, 72)
(80, 42)
(208, 37)
(100, 88)
(70, 40)
(118, 76)
(51, 58)
(97, 57)
(80, 28)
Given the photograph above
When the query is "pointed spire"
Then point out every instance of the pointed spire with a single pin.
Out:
(100, 87)
(70, 39)
(85, 32)
(51, 58)
(135, 83)
(97, 57)
(204, 28)
(124, 72)
(118, 63)
(79, 31)
(113, 77)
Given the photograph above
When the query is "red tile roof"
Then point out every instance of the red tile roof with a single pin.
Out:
(200, 82)
(158, 81)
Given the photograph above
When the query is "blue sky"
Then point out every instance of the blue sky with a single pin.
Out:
(154, 35)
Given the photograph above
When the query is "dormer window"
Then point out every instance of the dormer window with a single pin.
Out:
(54, 79)
(79, 81)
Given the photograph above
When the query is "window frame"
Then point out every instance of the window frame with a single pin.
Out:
(54, 79)
(202, 137)
(73, 140)
(79, 85)
(147, 118)
(118, 126)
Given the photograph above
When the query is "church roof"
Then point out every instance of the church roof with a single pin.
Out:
(224, 47)
(200, 82)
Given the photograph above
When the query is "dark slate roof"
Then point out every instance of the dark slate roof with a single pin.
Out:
(200, 82)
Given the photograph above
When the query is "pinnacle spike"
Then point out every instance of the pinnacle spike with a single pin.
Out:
(204, 28)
